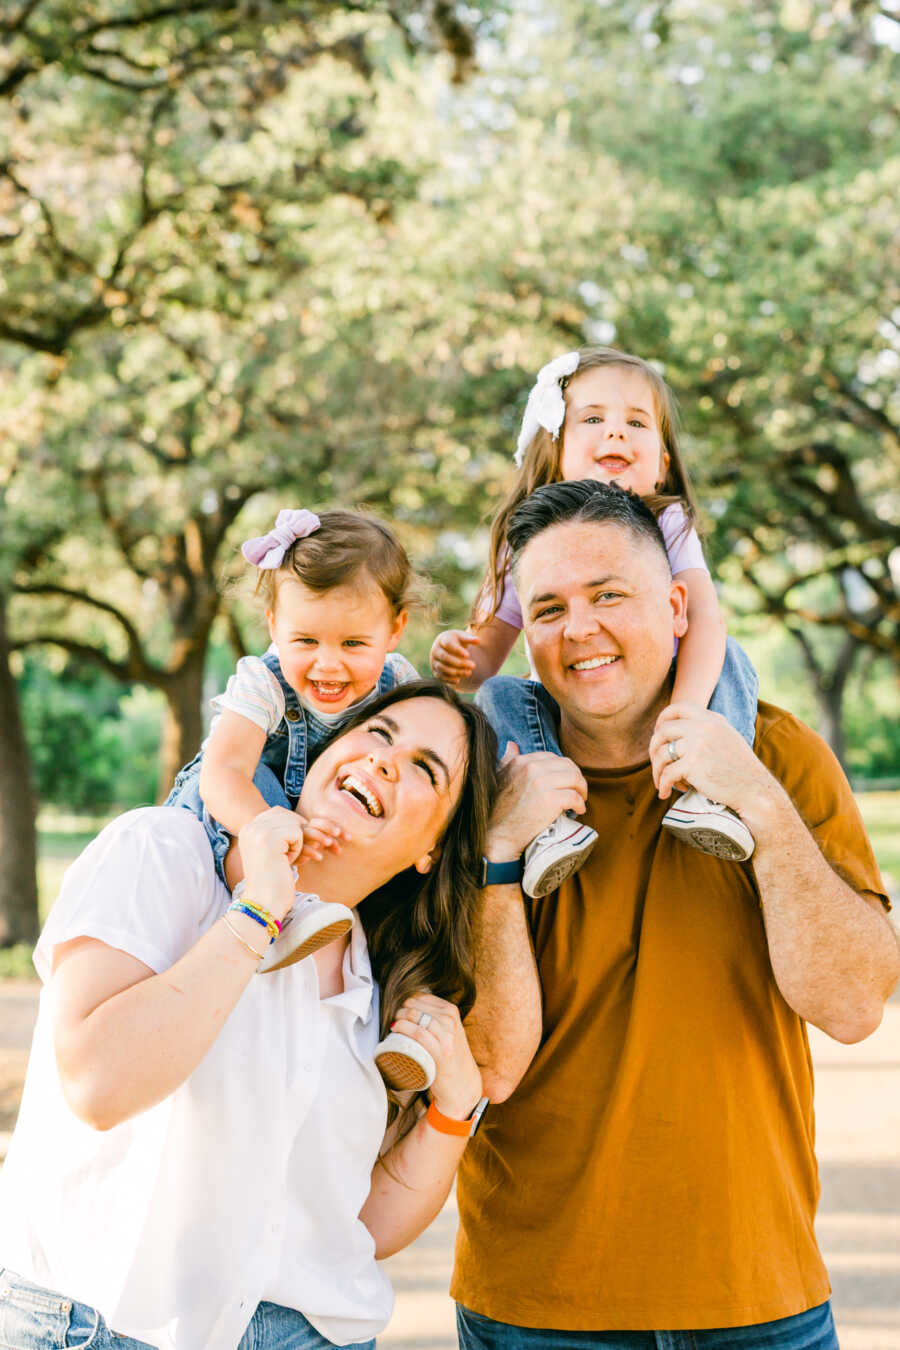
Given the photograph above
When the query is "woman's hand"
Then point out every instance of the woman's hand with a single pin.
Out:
(457, 1085)
(450, 659)
(269, 845)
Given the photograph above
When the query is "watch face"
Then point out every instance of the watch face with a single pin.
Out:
(478, 1115)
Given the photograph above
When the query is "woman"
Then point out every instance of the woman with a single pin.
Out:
(198, 1160)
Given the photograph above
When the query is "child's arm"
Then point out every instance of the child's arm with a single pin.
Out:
(466, 659)
(701, 651)
(226, 771)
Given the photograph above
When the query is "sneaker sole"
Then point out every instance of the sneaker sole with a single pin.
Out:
(553, 876)
(709, 841)
(402, 1073)
(312, 944)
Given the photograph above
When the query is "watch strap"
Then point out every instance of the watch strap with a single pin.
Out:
(501, 873)
(463, 1129)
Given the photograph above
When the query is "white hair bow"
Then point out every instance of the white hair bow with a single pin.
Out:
(546, 406)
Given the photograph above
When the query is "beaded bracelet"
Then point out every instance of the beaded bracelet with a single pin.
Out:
(263, 913)
(262, 916)
(231, 928)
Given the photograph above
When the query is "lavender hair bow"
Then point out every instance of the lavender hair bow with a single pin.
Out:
(268, 550)
(546, 406)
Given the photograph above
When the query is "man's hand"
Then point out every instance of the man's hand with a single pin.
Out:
(534, 790)
(709, 755)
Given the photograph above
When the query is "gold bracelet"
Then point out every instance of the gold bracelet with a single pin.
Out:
(231, 928)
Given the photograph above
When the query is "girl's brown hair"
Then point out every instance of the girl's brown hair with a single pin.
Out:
(543, 457)
(346, 544)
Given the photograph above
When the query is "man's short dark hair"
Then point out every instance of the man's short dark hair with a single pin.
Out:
(586, 500)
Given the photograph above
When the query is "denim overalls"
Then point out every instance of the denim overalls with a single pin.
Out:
(282, 765)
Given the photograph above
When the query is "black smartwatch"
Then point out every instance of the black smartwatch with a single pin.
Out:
(501, 873)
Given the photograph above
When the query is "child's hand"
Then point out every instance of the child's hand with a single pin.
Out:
(450, 659)
(320, 834)
(457, 1084)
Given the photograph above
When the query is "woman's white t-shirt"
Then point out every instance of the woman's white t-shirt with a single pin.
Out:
(247, 1182)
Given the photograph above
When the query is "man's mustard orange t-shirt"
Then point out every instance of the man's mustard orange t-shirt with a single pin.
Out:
(654, 1170)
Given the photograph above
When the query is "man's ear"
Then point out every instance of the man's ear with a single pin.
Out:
(678, 599)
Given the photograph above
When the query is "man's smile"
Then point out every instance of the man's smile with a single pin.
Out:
(594, 662)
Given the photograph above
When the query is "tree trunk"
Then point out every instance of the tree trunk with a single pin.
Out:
(183, 726)
(830, 699)
(18, 836)
(829, 685)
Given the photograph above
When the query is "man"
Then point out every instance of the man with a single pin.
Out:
(652, 1181)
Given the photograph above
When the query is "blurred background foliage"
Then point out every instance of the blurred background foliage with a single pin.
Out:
(288, 251)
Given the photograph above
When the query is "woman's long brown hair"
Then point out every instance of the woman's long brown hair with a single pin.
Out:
(543, 457)
(419, 929)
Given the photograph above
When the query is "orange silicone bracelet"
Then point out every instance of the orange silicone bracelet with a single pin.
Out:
(446, 1124)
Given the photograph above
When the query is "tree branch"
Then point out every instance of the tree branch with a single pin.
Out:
(120, 670)
(137, 661)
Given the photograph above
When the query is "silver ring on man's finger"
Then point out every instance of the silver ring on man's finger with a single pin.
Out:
(424, 1019)
(672, 750)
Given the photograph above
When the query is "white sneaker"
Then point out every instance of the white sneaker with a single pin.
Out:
(404, 1064)
(710, 827)
(555, 854)
(309, 924)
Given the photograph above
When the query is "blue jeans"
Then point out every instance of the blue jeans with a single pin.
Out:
(811, 1330)
(523, 711)
(32, 1318)
(186, 793)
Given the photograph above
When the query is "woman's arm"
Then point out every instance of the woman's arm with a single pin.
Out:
(226, 771)
(412, 1178)
(126, 1038)
(701, 651)
(466, 659)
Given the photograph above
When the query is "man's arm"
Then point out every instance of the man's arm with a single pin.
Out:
(504, 1026)
(834, 955)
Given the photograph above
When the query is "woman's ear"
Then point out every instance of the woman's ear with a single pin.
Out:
(427, 861)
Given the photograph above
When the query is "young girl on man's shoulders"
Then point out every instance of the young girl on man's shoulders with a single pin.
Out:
(598, 413)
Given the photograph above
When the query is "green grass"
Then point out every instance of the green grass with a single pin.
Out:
(60, 839)
(881, 813)
(58, 847)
